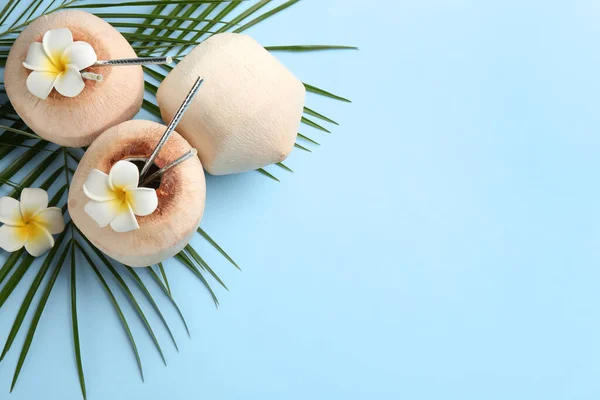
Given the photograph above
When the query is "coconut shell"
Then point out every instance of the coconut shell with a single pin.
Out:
(181, 195)
(248, 110)
(76, 121)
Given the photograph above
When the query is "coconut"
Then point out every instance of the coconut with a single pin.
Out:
(76, 121)
(181, 194)
(247, 113)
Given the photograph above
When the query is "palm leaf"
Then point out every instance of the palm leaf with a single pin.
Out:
(143, 3)
(164, 288)
(29, 298)
(266, 15)
(216, 246)
(131, 298)
(196, 257)
(129, 16)
(15, 278)
(19, 131)
(146, 292)
(312, 123)
(164, 275)
(267, 174)
(320, 116)
(321, 92)
(308, 139)
(185, 260)
(299, 146)
(306, 48)
(9, 264)
(76, 345)
(115, 303)
(282, 165)
(36, 318)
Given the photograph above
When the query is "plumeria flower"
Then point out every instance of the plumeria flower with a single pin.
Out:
(29, 222)
(56, 63)
(116, 198)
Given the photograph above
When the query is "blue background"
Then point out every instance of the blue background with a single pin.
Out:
(442, 243)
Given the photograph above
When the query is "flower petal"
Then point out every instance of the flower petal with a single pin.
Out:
(55, 41)
(124, 175)
(39, 240)
(143, 201)
(32, 201)
(12, 238)
(10, 212)
(79, 54)
(125, 221)
(40, 84)
(51, 219)
(69, 83)
(37, 60)
(103, 212)
(96, 186)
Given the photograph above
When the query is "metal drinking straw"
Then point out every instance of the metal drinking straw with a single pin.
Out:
(134, 61)
(164, 169)
(184, 106)
(92, 76)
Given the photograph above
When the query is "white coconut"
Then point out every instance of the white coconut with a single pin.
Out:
(76, 121)
(181, 195)
(246, 114)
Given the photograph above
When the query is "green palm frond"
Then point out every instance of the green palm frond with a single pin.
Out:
(158, 27)
(75, 324)
(115, 303)
(164, 275)
(38, 314)
(167, 292)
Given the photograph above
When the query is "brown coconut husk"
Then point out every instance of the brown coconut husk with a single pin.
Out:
(76, 121)
(181, 195)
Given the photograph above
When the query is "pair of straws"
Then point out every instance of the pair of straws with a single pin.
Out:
(176, 118)
(124, 62)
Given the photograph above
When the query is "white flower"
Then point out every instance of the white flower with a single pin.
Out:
(29, 223)
(116, 199)
(56, 63)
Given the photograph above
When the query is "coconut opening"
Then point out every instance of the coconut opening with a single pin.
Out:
(139, 163)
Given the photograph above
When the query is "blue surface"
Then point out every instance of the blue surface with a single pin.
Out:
(441, 244)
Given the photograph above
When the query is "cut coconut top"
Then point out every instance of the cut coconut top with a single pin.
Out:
(111, 94)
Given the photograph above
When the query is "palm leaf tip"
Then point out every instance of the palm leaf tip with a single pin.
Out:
(325, 93)
(217, 247)
(268, 174)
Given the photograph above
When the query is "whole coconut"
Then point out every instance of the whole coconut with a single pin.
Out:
(247, 113)
(76, 121)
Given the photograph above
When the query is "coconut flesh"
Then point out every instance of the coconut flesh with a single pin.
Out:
(247, 113)
(181, 194)
(76, 121)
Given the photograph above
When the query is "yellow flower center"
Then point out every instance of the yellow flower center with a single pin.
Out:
(122, 199)
(58, 63)
(30, 230)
